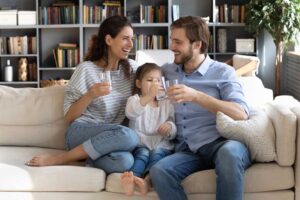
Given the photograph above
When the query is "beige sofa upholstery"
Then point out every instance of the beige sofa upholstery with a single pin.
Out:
(31, 123)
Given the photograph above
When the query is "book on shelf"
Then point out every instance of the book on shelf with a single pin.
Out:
(67, 45)
(63, 3)
(59, 14)
(66, 55)
(230, 13)
(16, 45)
(55, 57)
(153, 14)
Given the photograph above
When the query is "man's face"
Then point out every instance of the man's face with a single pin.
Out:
(181, 46)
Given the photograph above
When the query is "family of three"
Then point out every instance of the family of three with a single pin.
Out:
(168, 139)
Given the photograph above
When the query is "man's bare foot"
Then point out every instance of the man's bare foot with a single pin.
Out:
(127, 180)
(142, 185)
(46, 160)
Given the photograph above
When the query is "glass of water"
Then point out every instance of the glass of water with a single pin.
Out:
(105, 77)
(170, 83)
(162, 94)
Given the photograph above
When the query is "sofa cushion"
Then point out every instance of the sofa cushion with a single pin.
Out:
(255, 92)
(258, 178)
(285, 124)
(32, 117)
(257, 133)
(16, 176)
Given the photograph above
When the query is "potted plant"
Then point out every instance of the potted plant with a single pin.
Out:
(281, 18)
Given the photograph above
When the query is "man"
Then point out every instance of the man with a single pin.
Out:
(205, 87)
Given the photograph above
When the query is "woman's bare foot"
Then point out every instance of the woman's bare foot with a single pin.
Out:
(46, 160)
(142, 185)
(127, 180)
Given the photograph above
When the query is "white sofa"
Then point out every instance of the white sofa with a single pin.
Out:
(31, 123)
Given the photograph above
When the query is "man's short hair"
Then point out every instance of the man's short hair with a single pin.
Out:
(196, 30)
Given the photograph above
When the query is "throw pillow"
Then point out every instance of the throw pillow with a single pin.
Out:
(257, 133)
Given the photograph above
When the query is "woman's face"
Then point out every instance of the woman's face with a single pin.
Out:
(121, 45)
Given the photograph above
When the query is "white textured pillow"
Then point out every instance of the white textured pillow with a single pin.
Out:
(257, 133)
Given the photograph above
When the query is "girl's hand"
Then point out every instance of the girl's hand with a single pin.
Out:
(154, 88)
(99, 89)
(164, 129)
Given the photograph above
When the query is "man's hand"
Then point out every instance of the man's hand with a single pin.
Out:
(182, 93)
(164, 129)
(99, 89)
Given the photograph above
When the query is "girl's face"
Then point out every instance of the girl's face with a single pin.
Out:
(151, 77)
(121, 45)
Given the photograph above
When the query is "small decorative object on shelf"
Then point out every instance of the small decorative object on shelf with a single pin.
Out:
(8, 72)
(52, 82)
(8, 17)
(22, 69)
(26, 17)
(244, 45)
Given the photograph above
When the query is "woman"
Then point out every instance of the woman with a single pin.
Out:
(96, 109)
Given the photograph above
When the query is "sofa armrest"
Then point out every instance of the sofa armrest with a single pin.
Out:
(296, 110)
(245, 65)
(247, 69)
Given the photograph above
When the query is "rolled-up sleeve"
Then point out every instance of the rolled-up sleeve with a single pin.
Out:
(232, 90)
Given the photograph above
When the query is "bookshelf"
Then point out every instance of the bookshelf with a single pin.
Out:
(81, 20)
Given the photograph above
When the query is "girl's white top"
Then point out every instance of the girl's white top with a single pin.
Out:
(145, 120)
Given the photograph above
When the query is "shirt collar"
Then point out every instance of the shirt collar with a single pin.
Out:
(202, 68)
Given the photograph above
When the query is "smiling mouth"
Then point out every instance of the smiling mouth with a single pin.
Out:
(126, 50)
(176, 53)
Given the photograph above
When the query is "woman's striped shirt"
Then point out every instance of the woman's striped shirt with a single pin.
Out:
(105, 109)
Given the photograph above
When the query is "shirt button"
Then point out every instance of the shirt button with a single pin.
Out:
(184, 104)
(184, 118)
(184, 126)
(185, 138)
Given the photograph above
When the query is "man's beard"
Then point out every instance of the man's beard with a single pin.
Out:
(185, 57)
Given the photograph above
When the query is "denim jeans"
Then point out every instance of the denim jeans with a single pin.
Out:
(229, 158)
(144, 159)
(108, 146)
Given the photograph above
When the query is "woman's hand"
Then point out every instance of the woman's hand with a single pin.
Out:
(99, 89)
(164, 129)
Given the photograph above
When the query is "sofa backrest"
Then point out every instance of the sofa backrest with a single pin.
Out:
(32, 117)
(157, 56)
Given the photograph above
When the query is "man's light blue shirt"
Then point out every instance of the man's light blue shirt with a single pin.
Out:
(195, 125)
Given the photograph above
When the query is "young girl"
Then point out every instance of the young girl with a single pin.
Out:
(153, 122)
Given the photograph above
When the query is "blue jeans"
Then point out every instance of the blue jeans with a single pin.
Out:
(229, 158)
(144, 159)
(108, 146)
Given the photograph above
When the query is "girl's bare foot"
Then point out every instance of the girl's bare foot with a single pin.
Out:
(142, 185)
(127, 180)
(46, 160)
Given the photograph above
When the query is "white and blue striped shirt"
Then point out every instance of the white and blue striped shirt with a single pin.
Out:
(105, 109)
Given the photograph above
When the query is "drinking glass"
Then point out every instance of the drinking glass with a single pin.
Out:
(172, 82)
(105, 77)
(162, 94)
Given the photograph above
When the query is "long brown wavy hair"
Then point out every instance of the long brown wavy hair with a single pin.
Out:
(98, 48)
